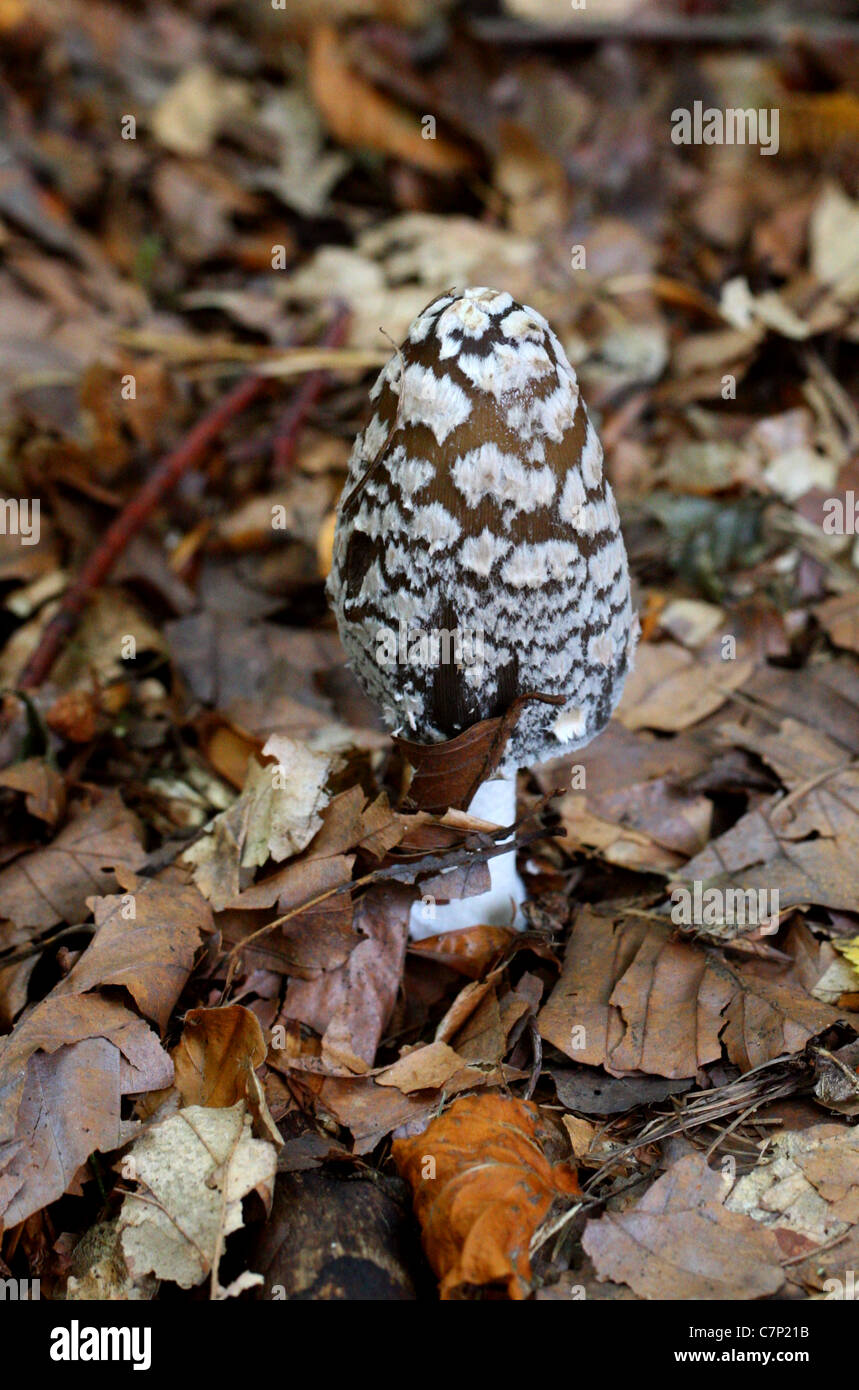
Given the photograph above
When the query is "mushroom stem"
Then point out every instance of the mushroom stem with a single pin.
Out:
(494, 801)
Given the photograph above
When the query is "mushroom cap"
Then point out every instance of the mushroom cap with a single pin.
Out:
(477, 552)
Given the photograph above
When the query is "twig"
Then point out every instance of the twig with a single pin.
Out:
(290, 422)
(672, 29)
(818, 1250)
(129, 521)
(465, 855)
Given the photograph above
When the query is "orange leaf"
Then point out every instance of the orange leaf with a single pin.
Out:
(481, 1186)
(358, 115)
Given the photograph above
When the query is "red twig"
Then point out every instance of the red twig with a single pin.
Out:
(161, 481)
(289, 425)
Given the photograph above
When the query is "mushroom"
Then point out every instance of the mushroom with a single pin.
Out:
(478, 556)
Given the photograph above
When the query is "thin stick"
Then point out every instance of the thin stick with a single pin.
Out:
(129, 521)
(290, 422)
(672, 29)
(818, 1250)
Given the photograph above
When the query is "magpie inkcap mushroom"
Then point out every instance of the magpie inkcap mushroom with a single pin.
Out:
(478, 555)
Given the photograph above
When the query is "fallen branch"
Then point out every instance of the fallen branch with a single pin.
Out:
(289, 425)
(760, 31)
(129, 521)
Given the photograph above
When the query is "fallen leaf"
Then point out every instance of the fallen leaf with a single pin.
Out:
(833, 234)
(803, 845)
(424, 1068)
(669, 689)
(145, 942)
(447, 774)
(632, 999)
(481, 1187)
(43, 787)
(595, 1093)
(350, 1006)
(276, 816)
(807, 1183)
(358, 115)
(52, 885)
(680, 1241)
(193, 111)
(839, 618)
(63, 1071)
(470, 951)
(217, 1049)
(192, 1171)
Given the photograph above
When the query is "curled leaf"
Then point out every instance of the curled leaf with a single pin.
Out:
(481, 1187)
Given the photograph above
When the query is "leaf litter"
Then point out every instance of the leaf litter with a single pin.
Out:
(210, 848)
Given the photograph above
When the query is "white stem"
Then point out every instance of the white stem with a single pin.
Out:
(494, 801)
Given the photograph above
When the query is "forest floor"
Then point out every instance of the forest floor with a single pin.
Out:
(220, 1051)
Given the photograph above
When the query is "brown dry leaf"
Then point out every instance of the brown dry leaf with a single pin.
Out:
(447, 774)
(652, 826)
(217, 1050)
(424, 1068)
(53, 884)
(582, 1134)
(839, 618)
(350, 823)
(591, 1092)
(321, 937)
(370, 1111)
(216, 1059)
(228, 749)
(481, 1186)
(635, 808)
(63, 1072)
(469, 998)
(76, 715)
(804, 845)
(15, 977)
(484, 1038)
(256, 674)
(276, 816)
(70, 1107)
(350, 1006)
(680, 1241)
(470, 951)
(808, 1183)
(318, 938)
(632, 999)
(145, 942)
(670, 688)
(42, 785)
(358, 115)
